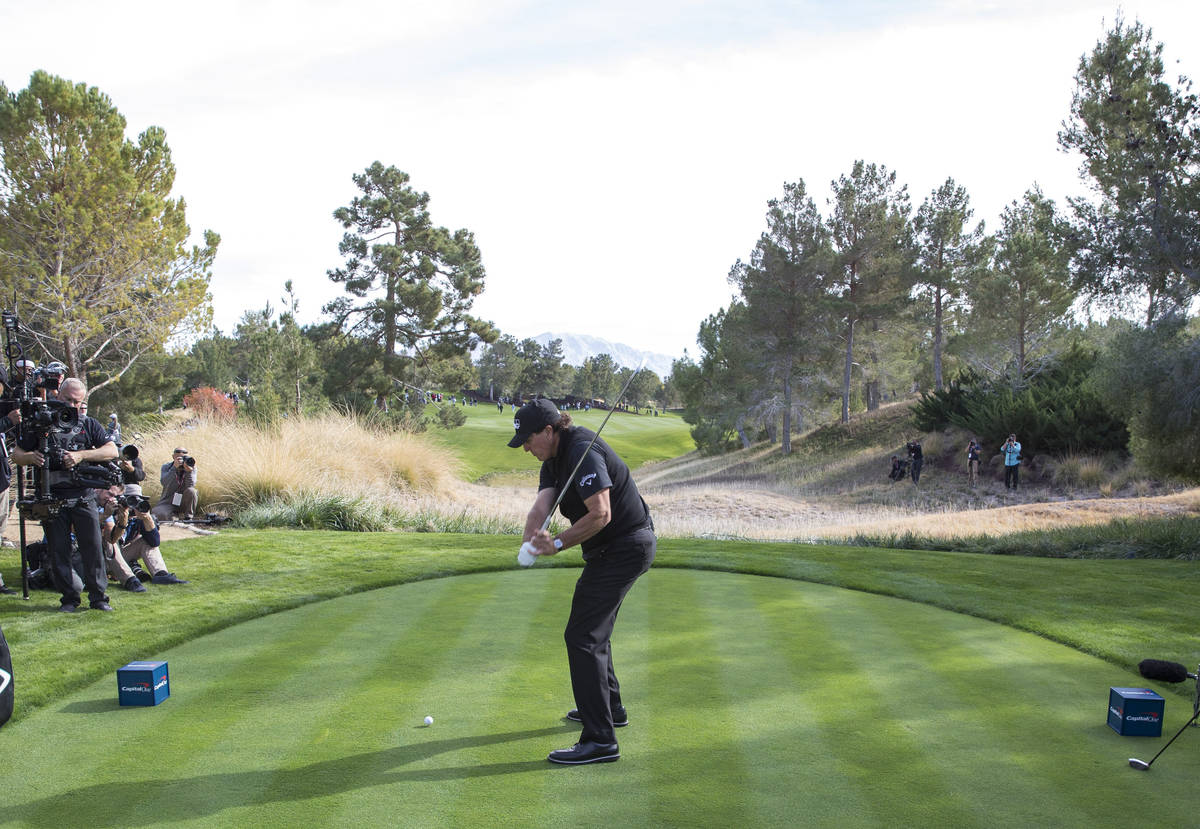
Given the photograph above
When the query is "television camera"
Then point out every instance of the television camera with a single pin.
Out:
(48, 424)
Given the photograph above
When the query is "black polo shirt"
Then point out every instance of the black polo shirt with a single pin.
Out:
(602, 469)
(89, 435)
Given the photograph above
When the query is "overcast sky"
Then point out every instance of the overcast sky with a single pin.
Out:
(612, 158)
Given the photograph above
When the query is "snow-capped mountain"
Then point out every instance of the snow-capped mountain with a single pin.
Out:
(578, 347)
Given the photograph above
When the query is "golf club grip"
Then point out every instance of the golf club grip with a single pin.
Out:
(579, 463)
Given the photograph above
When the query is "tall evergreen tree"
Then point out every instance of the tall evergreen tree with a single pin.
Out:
(947, 253)
(1023, 303)
(415, 282)
(871, 236)
(500, 367)
(1140, 142)
(785, 287)
(719, 391)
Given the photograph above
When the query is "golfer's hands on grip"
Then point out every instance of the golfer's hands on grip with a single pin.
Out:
(540, 545)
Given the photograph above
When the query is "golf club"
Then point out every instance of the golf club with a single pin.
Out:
(526, 558)
(1142, 765)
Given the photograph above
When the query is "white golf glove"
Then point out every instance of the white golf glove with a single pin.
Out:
(526, 558)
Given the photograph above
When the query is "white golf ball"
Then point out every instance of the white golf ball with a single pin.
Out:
(429, 720)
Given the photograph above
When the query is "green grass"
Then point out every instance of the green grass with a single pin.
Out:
(481, 444)
(1177, 537)
(1112, 609)
(754, 702)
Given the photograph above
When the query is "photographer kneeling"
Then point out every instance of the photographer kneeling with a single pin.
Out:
(133, 534)
(64, 451)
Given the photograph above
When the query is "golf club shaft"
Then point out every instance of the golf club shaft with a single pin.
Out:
(603, 423)
(1164, 748)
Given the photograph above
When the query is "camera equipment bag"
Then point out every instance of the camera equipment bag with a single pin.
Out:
(6, 681)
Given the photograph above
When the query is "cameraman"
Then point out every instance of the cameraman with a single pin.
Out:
(133, 534)
(179, 493)
(77, 509)
(131, 467)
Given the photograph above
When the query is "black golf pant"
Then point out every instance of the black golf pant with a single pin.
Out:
(81, 516)
(599, 592)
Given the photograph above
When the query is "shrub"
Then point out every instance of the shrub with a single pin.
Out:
(451, 417)
(1076, 470)
(206, 403)
(1058, 411)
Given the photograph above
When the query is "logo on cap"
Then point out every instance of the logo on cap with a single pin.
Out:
(517, 424)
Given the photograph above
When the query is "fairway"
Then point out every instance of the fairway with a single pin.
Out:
(753, 701)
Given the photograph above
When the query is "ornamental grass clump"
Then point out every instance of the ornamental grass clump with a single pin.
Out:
(329, 459)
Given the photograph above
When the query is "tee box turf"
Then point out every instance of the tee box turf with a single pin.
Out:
(143, 683)
(1135, 712)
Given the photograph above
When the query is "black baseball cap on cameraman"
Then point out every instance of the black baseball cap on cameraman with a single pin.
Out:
(531, 418)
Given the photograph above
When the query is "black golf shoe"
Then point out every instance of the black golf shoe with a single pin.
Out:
(581, 753)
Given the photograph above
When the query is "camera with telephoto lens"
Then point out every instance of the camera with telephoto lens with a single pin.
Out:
(135, 502)
(49, 376)
(46, 417)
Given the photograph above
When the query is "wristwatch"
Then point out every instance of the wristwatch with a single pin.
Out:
(558, 545)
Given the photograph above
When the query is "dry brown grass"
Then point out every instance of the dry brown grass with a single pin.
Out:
(835, 495)
(240, 463)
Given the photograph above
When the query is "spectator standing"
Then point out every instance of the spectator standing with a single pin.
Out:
(916, 460)
(1012, 462)
(973, 461)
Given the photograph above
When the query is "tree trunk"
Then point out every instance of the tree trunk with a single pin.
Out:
(787, 409)
(872, 394)
(937, 339)
(741, 430)
(846, 371)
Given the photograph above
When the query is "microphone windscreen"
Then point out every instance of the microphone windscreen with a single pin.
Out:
(1161, 670)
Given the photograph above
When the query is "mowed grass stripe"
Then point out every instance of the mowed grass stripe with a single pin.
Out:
(1060, 736)
(287, 727)
(699, 775)
(373, 724)
(587, 792)
(768, 662)
(228, 725)
(898, 650)
(969, 708)
(871, 763)
(433, 670)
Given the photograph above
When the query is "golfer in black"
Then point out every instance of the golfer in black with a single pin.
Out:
(610, 521)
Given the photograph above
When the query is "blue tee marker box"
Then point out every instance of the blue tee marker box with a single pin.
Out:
(143, 683)
(1135, 712)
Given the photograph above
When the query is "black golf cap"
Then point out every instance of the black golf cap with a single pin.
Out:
(533, 417)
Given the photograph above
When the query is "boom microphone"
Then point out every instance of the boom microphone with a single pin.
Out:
(1164, 671)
